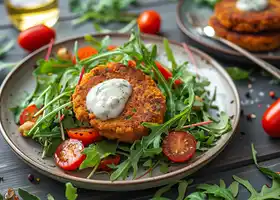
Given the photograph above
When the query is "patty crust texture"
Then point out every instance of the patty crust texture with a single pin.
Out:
(243, 21)
(146, 103)
(264, 41)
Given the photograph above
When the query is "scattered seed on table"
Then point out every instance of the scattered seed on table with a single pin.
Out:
(31, 178)
(38, 180)
(272, 94)
(251, 116)
(1, 179)
(261, 94)
(10, 193)
(231, 117)
(232, 101)
(248, 95)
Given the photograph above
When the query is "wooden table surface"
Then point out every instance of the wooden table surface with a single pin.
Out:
(234, 160)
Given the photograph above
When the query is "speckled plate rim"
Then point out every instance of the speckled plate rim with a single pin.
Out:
(183, 28)
(178, 173)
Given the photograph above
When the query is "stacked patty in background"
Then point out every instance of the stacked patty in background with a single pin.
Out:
(255, 31)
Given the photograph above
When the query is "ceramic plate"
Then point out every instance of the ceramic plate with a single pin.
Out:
(20, 81)
(203, 13)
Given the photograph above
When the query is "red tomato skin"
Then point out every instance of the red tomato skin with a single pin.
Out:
(271, 120)
(108, 161)
(36, 37)
(27, 113)
(111, 47)
(84, 52)
(85, 135)
(166, 73)
(72, 161)
(149, 22)
(177, 157)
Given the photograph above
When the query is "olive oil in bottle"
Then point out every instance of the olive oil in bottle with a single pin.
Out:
(27, 13)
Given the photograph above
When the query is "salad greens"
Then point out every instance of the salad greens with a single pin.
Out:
(188, 104)
(221, 192)
(237, 73)
(104, 11)
(211, 3)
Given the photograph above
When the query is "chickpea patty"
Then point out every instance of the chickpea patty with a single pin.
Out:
(234, 19)
(264, 41)
(146, 103)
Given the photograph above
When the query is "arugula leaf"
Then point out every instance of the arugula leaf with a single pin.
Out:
(95, 152)
(163, 168)
(216, 191)
(182, 189)
(26, 195)
(266, 193)
(237, 73)
(50, 197)
(211, 3)
(196, 196)
(70, 192)
(7, 47)
(169, 53)
(1, 197)
(234, 188)
(163, 190)
(271, 174)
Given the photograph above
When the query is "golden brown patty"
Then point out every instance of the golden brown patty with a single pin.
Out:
(146, 103)
(241, 21)
(250, 41)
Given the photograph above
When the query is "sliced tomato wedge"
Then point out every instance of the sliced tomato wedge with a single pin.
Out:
(28, 113)
(68, 154)
(179, 146)
(86, 135)
(103, 166)
(111, 47)
(85, 52)
(166, 73)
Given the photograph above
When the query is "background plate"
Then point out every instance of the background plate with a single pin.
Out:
(20, 81)
(203, 12)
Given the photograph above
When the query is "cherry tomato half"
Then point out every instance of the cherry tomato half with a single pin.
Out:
(149, 22)
(86, 135)
(166, 73)
(179, 146)
(68, 154)
(271, 119)
(103, 166)
(85, 52)
(111, 47)
(35, 37)
(28, 113)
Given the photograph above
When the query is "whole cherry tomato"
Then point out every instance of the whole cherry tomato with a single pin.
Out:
(35, 37)
(86, 135)
(149, 22)
(179, 146)
(271, 119)
(68, 154)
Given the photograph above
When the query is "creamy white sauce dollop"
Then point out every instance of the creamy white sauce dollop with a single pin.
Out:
(252, 5)
(107, 99)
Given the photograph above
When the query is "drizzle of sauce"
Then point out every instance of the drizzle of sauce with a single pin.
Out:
(252, 5)
(107, 99)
